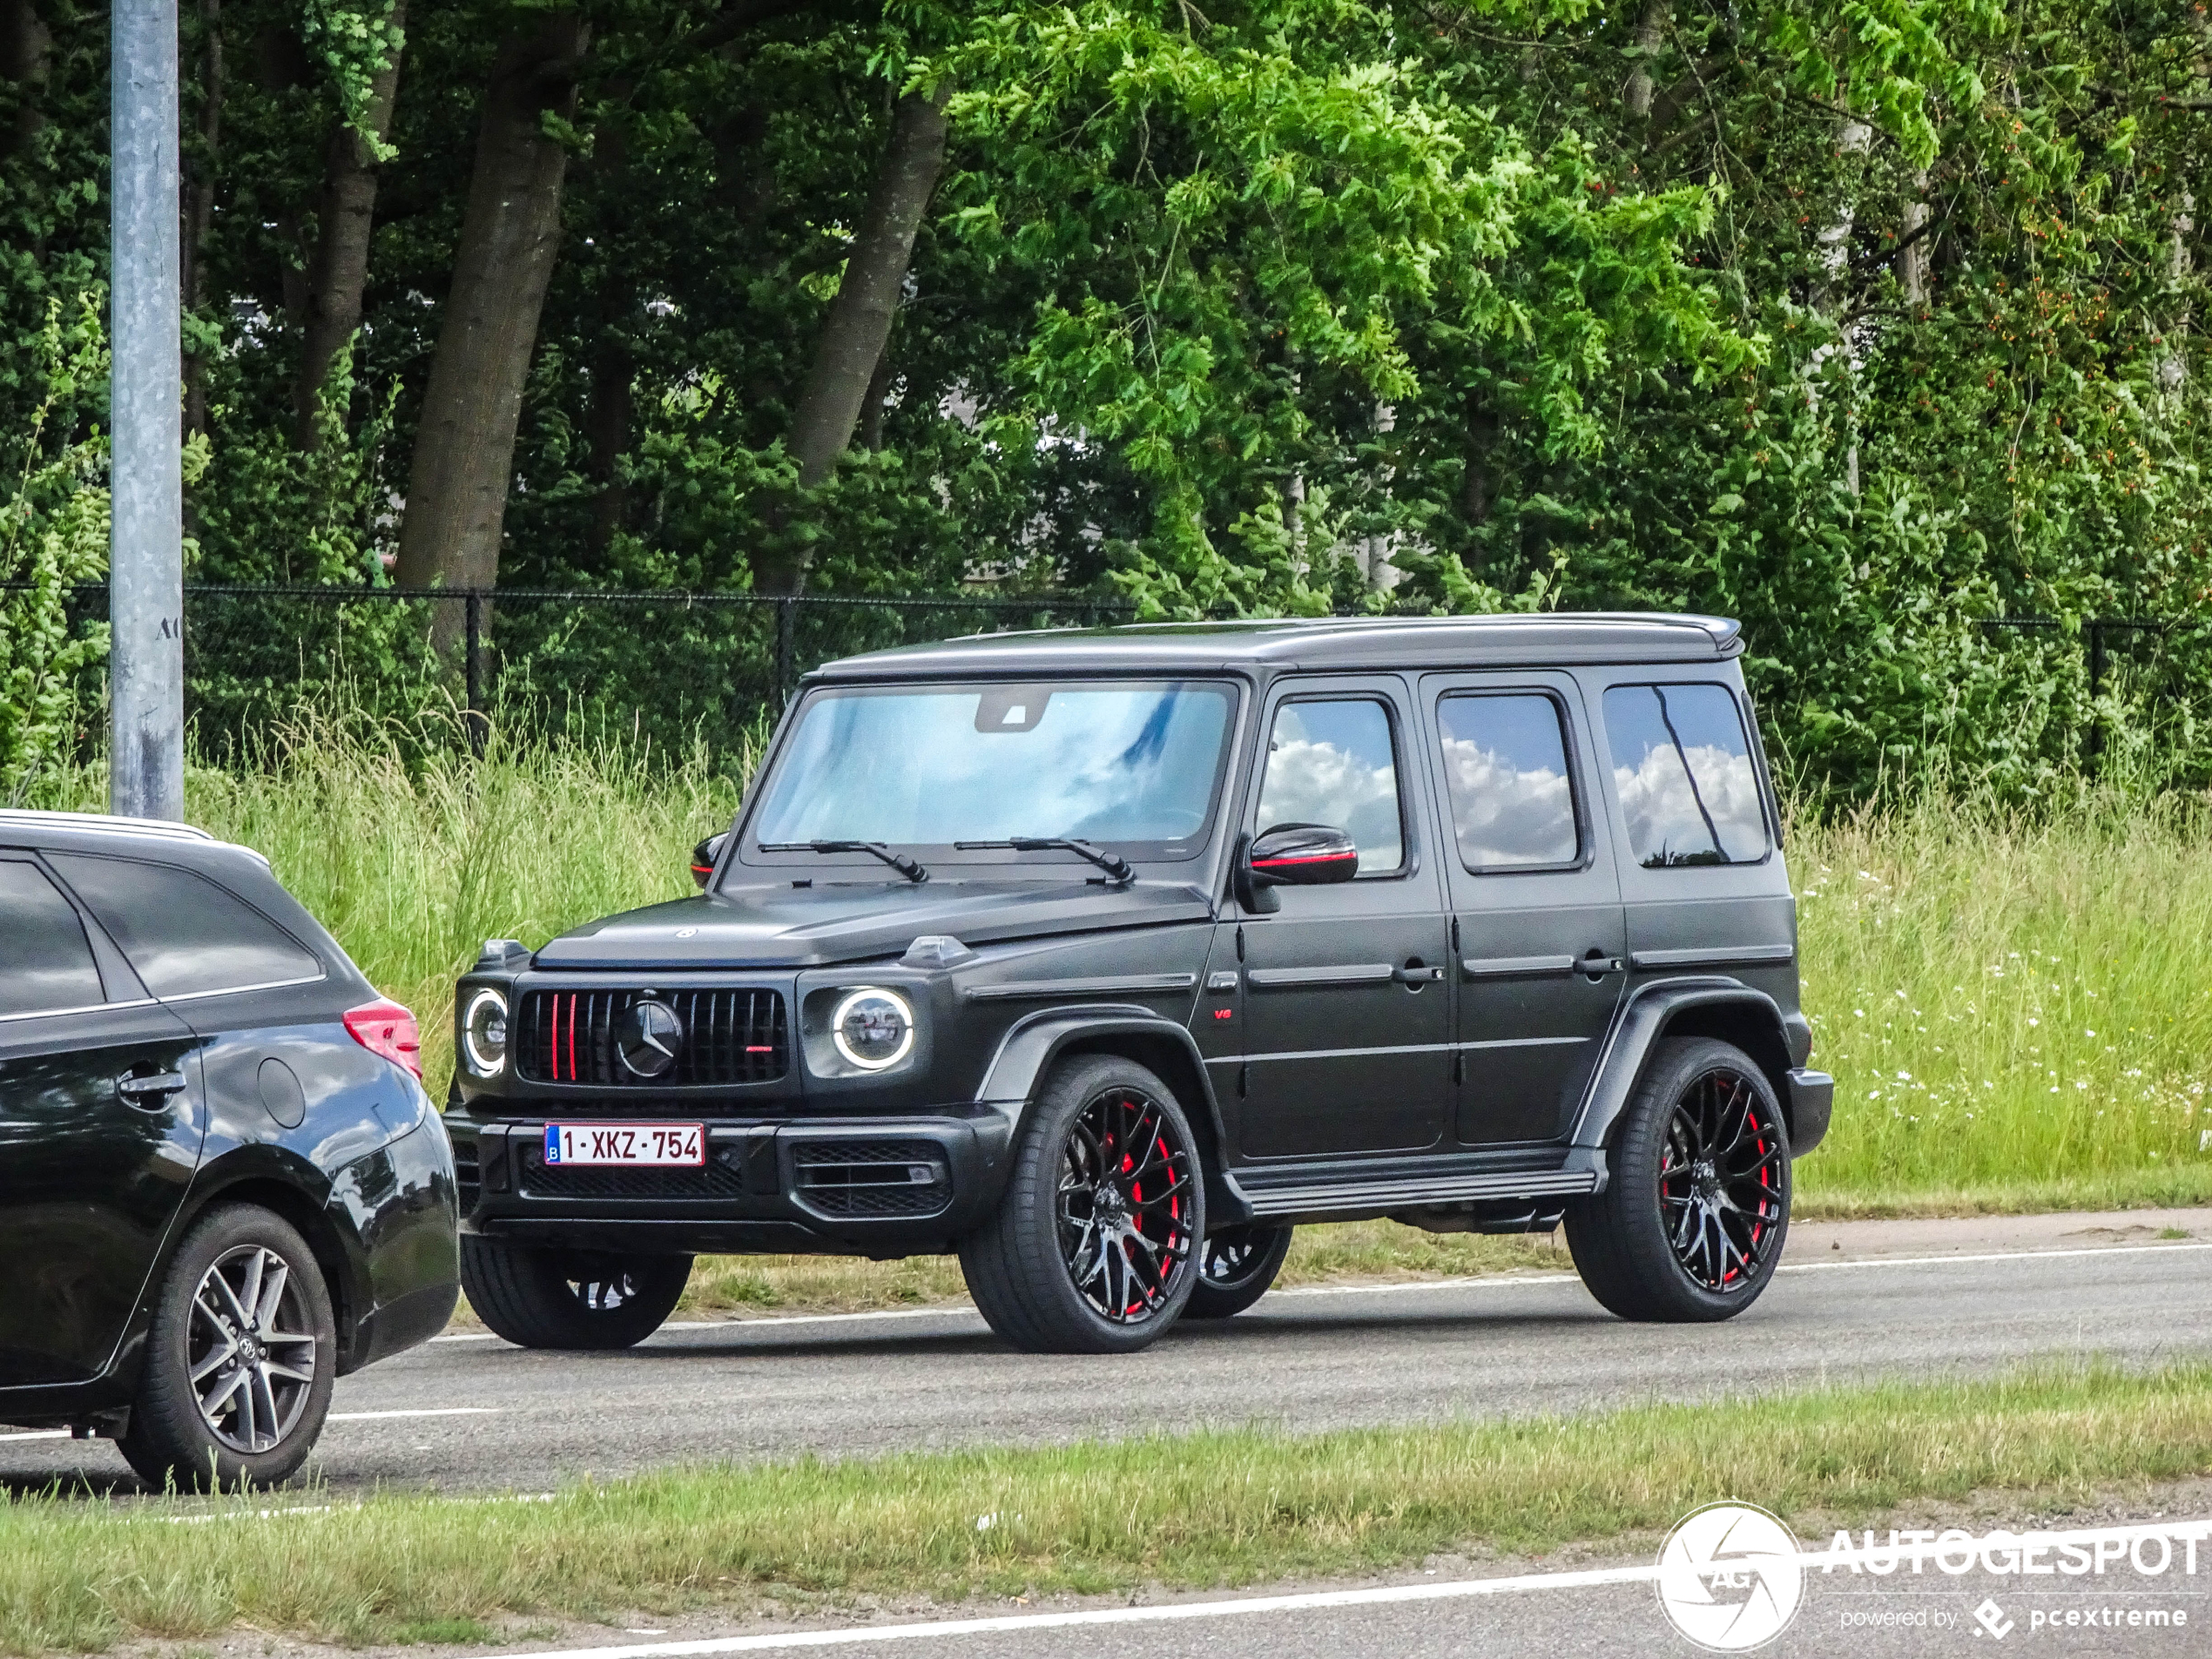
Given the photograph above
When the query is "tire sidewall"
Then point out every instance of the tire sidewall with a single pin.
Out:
(1072, 1088)
(1224, 1298)
(167, 1438)
(1681, 1063)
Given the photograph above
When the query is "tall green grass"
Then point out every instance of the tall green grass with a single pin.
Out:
(2016, 1008)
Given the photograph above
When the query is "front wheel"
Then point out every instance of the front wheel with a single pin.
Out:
(564, 1299)
(1092, 1249)
(1236, 1269)
(1691, 1223)
(239, 1358)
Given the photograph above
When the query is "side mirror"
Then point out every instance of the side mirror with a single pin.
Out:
(1294, 855)
(705, 856)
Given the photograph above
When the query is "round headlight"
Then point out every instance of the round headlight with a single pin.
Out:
(873, 1029)
(483, 1033)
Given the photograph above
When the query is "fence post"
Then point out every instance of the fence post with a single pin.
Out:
(786, 648)
(2094, 746)
(474, 654)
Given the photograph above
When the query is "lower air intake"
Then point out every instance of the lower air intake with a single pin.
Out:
(871, 1179)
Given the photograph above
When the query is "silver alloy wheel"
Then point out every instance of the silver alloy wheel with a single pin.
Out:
(251, 1357)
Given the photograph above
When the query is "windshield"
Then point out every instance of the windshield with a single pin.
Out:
(1126, 762)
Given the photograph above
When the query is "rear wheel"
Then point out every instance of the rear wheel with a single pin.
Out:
(570, 1299)
(1236, 1268)
(239, 1358)
(1092, 1250)
(1692, 1222)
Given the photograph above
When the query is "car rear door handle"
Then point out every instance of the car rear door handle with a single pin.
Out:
(1417, 975)
(151, 1089)
(1597, 965)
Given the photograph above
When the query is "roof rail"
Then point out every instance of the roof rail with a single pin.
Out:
(109, 822)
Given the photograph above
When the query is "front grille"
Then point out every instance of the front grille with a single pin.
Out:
(729, 1037)
(465, 1175)
(543, 1180)
(872, 1177)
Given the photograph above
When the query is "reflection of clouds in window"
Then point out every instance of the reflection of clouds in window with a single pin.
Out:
(1331, 763)
(1507, 815)
(1684, 775)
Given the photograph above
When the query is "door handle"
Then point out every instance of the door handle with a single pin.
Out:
(1417, 975)
(151, 1089)
(1597, 965)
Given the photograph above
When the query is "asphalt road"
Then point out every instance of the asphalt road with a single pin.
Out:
(469, 1413)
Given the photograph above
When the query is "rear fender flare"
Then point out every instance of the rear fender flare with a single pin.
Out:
(1030, 1048)
(1749, 1018)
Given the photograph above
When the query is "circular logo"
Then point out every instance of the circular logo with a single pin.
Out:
(1730, 1578)
(648, 1038)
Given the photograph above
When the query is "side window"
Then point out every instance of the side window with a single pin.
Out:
(1332, 761)
(45, 960)
(184, 935)
(1505, 765)
(1683, 771)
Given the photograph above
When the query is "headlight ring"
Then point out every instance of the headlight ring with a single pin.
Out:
(873, 1028)
(483, 1033)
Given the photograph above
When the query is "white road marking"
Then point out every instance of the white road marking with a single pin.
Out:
(1172, 1612)
(39, 1434)
(438, 1411)
(1534, 1276)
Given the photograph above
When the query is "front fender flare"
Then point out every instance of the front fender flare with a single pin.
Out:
(1027, 1050)
(1650, 1010)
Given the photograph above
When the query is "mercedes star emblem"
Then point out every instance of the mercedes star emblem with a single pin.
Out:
(648, 1038)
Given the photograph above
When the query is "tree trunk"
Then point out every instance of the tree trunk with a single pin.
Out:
(200, 203)
(338, 269)
(859, 319)
(511, 230)
(612, 371)
(26, 59)
(1651, 28)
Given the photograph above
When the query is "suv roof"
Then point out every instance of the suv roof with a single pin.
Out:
(160, 828)
(1323, 642)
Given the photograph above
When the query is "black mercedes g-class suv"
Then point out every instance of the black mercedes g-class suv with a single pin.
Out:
(1104, 959)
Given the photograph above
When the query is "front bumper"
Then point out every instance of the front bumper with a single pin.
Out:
(1812, 1098)
(878, 1185)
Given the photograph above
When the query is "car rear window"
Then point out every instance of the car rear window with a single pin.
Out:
(45, 960)
(1505, 765)
(185, 935)
(1683, 768)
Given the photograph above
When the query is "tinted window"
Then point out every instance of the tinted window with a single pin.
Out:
(44, 961)
(184, 935)
(1505, 765)
(1684, 775)
(1333, 763)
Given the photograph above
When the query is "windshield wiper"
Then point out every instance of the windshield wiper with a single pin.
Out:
(1114, 864)
(898, 861)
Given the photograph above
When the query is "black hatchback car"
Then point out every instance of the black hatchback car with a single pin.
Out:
(1105, 959)
(221, 1184)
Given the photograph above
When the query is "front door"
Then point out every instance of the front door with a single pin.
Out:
(1536, 897)
(1347, 1039)
(100, 1132)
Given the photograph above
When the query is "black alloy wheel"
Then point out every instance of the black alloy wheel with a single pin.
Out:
(1696, 1205)
(574, 1300)
(1236, 1268)
(240, 1360)
(1094, 1249)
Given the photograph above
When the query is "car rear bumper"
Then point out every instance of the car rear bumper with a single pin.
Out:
(847, 1185)
(1812, 1098)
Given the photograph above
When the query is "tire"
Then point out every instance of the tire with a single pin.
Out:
(244, 1300)
(1654, 1246)
(1080, 1258)
(570, 1299)
(1237, 1266)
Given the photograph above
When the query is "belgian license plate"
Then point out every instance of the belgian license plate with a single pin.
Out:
(656, 1145)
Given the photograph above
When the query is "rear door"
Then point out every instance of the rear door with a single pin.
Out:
(1346, 1027)
(101, 1123)
(1535, 899)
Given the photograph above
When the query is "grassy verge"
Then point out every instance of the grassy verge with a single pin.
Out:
(1225, 1507)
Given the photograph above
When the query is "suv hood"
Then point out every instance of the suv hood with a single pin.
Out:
(784, 926)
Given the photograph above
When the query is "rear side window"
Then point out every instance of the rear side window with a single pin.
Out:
(185, 935)
(1683, 768)
(1332, 761)
(45, 960)
(1505, 765)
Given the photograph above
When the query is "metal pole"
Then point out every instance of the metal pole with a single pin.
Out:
(786, 648)
(2096, 744)
(146, 545)
(474, 648)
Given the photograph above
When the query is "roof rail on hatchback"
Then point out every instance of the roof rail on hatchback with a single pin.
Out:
(111, 823)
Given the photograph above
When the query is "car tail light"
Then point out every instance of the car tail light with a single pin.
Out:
(385, 1027)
